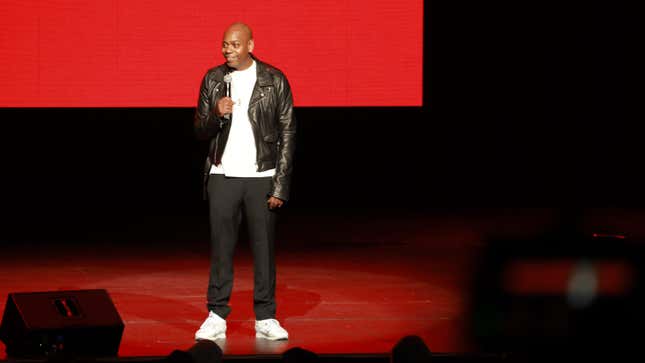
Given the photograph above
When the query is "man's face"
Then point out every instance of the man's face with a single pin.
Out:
(236, 46)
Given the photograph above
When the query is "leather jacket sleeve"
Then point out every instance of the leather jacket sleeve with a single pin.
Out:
(206, 123)
(286, 141)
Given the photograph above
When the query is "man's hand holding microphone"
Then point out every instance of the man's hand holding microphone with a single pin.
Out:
(224, 107)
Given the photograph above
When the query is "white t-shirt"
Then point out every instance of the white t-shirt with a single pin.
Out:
(239, 159)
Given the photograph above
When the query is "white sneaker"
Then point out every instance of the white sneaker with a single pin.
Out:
(270, 329)
(214, 327)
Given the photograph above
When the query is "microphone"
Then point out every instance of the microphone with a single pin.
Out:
(227, 79)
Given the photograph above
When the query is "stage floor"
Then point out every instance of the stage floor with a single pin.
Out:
(347, 283)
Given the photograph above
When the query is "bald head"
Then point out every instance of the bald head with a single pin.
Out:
(240, 27)
(236, 46)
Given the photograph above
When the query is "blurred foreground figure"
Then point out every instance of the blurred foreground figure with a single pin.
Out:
(299, 355)
(204, 351)
(411, 349)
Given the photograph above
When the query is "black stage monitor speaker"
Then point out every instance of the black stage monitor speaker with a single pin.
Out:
(82, 323)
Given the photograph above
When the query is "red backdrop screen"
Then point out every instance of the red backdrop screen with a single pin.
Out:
(153, 53)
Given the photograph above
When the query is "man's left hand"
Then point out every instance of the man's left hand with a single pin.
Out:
(274, 202)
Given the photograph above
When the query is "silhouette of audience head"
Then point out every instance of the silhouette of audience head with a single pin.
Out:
(411, 349)
(299, 355)
(204, 351)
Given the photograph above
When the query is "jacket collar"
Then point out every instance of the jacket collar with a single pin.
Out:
(263, 76)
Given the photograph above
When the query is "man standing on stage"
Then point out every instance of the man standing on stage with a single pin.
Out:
(245, 109)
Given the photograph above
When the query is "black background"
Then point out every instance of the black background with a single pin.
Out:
(531, 105)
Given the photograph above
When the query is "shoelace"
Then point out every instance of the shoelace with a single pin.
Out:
(270, 324)
(209, 323)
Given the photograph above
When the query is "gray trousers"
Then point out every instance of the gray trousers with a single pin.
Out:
(228, 198)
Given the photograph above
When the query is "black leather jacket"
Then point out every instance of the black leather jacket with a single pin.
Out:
(271, 116)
